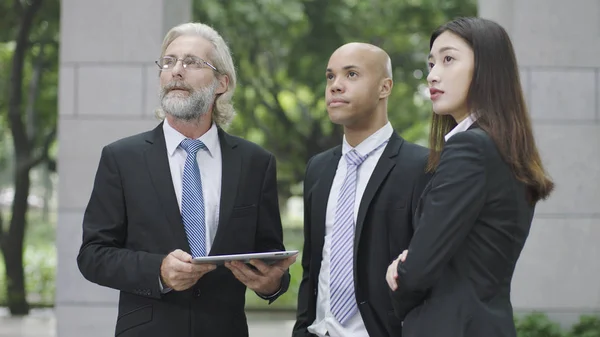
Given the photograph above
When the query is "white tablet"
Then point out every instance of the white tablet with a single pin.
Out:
(268, 257)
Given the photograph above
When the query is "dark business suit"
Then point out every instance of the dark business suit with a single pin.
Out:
(472, 223)
(133, 221)
(383, 230)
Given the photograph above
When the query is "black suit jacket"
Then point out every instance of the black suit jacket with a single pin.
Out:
(383, 231)
(133, 221)
(472, 221)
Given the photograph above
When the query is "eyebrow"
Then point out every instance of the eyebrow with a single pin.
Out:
(443, 49)
(329, 70)
(185, 55)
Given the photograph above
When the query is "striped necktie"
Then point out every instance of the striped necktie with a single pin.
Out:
(192, 199)
(342, 299)
(343, 303)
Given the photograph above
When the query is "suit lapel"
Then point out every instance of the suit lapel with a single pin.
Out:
(157, 163)
(231, 170)
(321, 196)
(383, 167)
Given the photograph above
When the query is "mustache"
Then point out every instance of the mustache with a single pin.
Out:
(176, 85)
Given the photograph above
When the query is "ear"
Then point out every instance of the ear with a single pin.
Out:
(223, 84)
(386, 88)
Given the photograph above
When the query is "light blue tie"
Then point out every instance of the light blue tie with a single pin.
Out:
(192, 199)
(343, 302)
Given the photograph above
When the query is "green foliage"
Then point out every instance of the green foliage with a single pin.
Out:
(29, 51)
(43, 51)
(6, 171)
(588, 326)
(281, 49)
(537, 325)
(40, 262)
(293, 239)
(286, 301)
(40, 268)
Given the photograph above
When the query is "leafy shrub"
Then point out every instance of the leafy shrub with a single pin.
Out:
(588, 326)
(40, 275)
(537, 325)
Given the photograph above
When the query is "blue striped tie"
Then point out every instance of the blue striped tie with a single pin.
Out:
(343, 303)
(192, 199)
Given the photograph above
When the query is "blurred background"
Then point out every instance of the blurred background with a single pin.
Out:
(76, 75)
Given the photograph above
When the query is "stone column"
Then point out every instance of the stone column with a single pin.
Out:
(557, 45)
(108, 89)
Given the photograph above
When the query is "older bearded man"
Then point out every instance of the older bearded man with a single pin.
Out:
(183, 190)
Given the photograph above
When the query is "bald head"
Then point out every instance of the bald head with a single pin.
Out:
(373, 57)
(359, 82)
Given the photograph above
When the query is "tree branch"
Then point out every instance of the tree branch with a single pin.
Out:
(278, 110)
(271, 91)
(22, 146)
(34, 90)
(51, 162)
(43, 155)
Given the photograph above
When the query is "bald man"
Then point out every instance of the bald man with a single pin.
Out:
(359, 198)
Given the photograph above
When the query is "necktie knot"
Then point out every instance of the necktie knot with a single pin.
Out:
(192, 146)
(354, 158)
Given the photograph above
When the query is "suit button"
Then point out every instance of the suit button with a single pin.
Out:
(197, 293)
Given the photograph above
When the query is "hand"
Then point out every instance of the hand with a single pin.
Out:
(179, 273)
(392, 273)
(265, 279)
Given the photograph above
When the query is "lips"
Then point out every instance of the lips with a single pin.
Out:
(336, 102)
(435, 93)
(177, 85)
(178, 92)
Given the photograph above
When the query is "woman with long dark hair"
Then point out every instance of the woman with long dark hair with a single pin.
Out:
(474, 217)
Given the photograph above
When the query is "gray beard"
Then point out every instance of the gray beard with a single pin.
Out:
(191, 107)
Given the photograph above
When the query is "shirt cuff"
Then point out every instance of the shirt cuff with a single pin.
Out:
(268, 297)
(163, 290)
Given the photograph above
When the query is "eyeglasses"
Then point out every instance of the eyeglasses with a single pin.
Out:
(192, 62)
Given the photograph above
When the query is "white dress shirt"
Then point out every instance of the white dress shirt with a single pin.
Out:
(209, 163)
(462, 126)
(325, 321)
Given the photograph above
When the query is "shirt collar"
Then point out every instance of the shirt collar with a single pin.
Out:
(173, 138)
(371, 143)
(462, 126)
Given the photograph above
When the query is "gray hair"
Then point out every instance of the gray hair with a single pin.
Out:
(220, 57)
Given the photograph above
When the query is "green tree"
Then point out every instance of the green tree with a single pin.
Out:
(29, 30)
(281, 49)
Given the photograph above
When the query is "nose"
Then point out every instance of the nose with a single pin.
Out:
(433, 76)
(178, 69)
(336, 86)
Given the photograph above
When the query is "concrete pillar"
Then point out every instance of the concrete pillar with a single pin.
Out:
(557, 43)
(108, 89)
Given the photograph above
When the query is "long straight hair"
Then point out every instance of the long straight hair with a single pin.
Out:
(495, 98)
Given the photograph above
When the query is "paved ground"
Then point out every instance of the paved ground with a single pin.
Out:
(41, 323)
